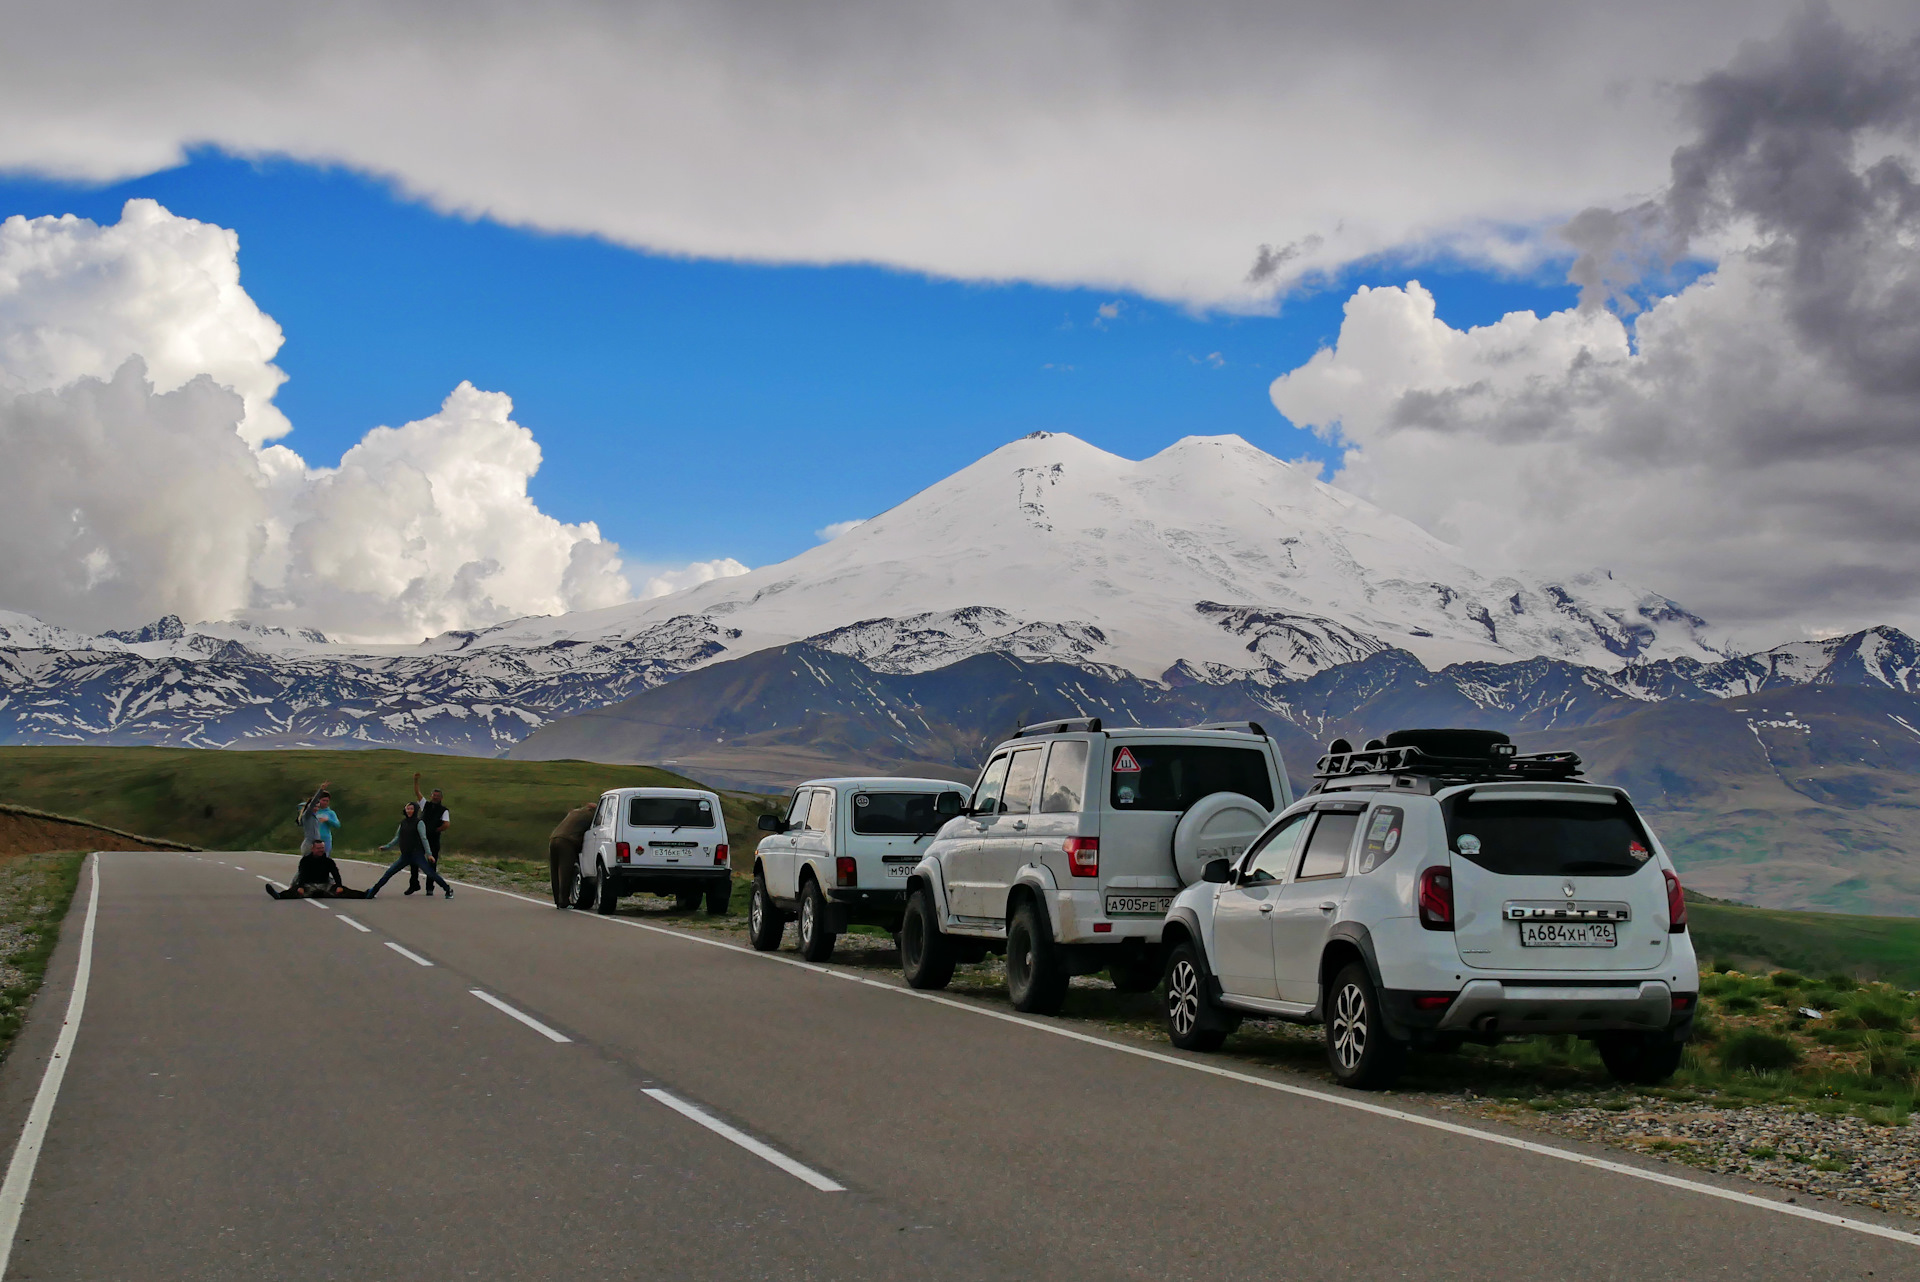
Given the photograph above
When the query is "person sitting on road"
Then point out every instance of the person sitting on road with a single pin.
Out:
(317, 877)
(411, 837)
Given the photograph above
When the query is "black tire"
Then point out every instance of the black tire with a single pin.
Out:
(926, 954)
(815, 924)
(583, 888)
(1639, 1059)
(1194, 1023)
(1360, 1051)
(720, 898)
(765, 923)
(688, 900)
(1036, 972)
(608, 898)
(1137, 972)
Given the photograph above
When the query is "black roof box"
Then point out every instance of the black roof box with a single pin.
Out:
(1450, 743)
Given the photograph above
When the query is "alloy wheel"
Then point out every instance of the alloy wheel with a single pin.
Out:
(1350, 1026)
(1183, 997)
(807, 924)
(756, 910)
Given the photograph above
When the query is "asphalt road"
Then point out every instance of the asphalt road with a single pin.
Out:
(261, 1090)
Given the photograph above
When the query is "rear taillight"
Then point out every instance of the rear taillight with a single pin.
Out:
(720, 854)
(1682, 1002)
(1432, 1001)
(1436, 898)
(1676, 905)
(844, 873)
(622, 852)
(1083, 856)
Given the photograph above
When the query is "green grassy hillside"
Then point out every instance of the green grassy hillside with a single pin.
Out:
(246, 800)
(1885, 948)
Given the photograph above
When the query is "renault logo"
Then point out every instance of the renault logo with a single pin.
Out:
(1567, 890)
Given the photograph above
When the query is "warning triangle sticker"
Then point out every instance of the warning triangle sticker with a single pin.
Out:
(1124, 764)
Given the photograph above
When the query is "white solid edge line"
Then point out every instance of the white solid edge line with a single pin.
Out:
(26, 1154)
(522, 1016)
(356, 925)
(409, 954)
(1285, 1088)
(745, 1141)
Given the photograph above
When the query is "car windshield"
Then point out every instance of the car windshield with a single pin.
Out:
(1173, 776)
(913, 814)
(1531, 837)
(670, 812)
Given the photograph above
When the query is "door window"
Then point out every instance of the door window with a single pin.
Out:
(1269, 857)
(1022, 777)
(1383, 836)
(993, 781)
(1326, 853)
(604, 813)
(797, 817)
(820, 814)
(1064, 791)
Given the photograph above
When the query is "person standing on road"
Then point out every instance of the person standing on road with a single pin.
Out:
(435, 815)
(317, 820)
(411, 838)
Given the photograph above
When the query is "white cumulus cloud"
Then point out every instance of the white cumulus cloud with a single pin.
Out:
(136, 387)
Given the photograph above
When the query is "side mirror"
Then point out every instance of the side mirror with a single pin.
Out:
(772, 823)
(1217, 871)
(947, 805)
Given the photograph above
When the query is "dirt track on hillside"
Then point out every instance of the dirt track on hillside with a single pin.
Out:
(24, 834)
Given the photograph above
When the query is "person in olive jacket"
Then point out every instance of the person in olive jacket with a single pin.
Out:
(563, 852)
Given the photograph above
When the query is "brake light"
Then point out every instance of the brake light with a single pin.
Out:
(622, 852)
(1676, 904)
(844, 873)
(1083, 856)
(1432, 1001)
(1436, 898)
(720, 854)
(1683, 1001)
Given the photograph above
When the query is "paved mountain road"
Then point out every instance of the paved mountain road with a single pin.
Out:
(261, 1090)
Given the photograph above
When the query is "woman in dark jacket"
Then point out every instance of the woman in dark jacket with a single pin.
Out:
(411, 837)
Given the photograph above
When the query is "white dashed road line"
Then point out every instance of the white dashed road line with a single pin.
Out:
(804, 1173)
(351, 922)
(524, 1018)
(411, 956)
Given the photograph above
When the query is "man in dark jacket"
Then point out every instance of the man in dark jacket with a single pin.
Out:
(435, 815)
(563, 852)
(317, 877)
(411, 837)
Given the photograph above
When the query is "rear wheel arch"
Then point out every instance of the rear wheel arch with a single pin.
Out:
(1340, 953)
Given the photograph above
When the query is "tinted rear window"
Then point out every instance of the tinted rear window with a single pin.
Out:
(1173, 776)
(1550, 838)
(670, 812)
(893, 813)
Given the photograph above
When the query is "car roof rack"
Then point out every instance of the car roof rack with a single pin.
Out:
(1244, 727)
(1505, 763)
(1064, 725)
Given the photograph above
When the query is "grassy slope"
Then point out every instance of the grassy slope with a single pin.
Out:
(246, 800)
(1814, 943)
(34, 893)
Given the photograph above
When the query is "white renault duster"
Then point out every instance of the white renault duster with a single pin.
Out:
(662, 841)
(841, 857)
(1076, 842)
(1436, 888)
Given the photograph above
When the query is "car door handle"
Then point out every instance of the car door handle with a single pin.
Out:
(1020, 825)
(1266, 908)
(1327, 906)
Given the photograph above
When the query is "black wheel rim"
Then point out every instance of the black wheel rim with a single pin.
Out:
(756, 911)
(1183, 997)
(807, 924)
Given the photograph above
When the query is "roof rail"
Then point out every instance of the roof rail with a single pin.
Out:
(1248, 727)
(1505, 763)
(1066, 725)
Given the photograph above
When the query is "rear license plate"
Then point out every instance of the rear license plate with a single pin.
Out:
(1567, 934)
(900, 870)
(1138, 905)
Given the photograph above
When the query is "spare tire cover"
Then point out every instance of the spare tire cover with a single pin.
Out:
(1221, 826)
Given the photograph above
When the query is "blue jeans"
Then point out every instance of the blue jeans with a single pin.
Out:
(419, 862)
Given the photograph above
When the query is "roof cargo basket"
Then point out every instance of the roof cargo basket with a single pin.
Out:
(1066, 725)
(1465, 755)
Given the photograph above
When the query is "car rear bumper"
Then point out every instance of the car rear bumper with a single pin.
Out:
(1492, 1006)
(640, 878)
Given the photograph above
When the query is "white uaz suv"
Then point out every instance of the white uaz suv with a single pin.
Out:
(1437, 888)
(1074, 845)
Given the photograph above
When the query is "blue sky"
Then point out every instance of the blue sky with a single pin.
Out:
(697, 409)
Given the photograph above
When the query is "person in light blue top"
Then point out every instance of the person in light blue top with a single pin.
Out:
(317, 821)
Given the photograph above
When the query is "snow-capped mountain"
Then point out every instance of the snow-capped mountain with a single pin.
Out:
(1209, 564)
